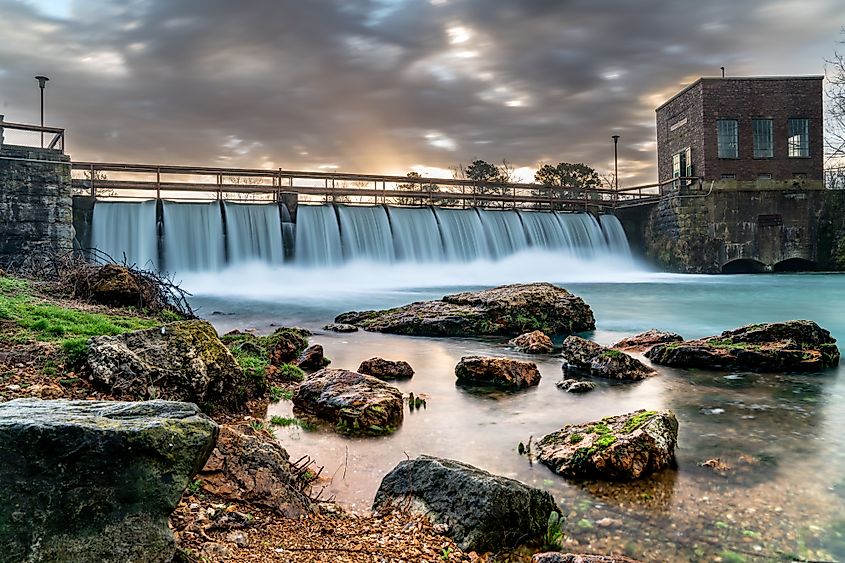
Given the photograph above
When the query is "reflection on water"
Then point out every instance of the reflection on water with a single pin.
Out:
(778, 488)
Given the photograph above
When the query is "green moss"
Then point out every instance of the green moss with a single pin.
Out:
(285, 421)
(613, 354)
(637, 420)
(279, 393)
(600, 428)
(605, 440)
(290, 372)
(575, 438)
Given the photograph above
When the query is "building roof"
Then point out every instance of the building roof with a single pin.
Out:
(738, 78)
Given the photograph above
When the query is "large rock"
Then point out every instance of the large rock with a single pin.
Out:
(558, 557)
(88, 481)
(339, 327)
(646, 340)
(252, 467)
(500, 372)
(508, 310)
(181, 361)
(312, 358)
(535, 342)
(784, 346)
(354, 401)
(386, 369)
(284, 345)
(113, 284)
(619, 448)
(585, 356)
(482, 512)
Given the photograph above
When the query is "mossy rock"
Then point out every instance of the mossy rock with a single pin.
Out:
(619, 448)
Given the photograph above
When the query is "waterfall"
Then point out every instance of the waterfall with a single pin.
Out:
(416, 235)
(253, 233)
(366, 232)
(317, 236)
(192, 237)
(126, 229)
(198, 237)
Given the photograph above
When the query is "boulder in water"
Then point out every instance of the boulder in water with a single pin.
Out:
(776, 347)
(96, 480)
(180, 361)
(535, 342)
(619, 448)
(508, 310)
(480, 511)
(588, 357)
(340, 327)
(252, 467)
(285, 345)
(499, 372)
(386, 369)
(646, 340)
(575, 385)
(354, 401)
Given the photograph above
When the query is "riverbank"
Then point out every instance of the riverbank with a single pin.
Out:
(43, 336)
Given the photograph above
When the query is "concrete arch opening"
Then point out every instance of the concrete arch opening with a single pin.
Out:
(795, 265)
(743, 266)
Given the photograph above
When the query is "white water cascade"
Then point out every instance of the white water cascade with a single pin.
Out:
(198, 237)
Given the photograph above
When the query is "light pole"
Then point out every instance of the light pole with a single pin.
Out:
(42, 81)
(616, 164)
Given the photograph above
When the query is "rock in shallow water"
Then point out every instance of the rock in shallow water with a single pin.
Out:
(508, 310)
(588, 357)
(619, 448)
(535, 342)
(785, 346)
(88, 481)
(499, 372)
(559, 557)
(340, 327)
(575, 385)
(645, 340)
(181, 361)
(386, 369)
(354, 401)
(480, 511)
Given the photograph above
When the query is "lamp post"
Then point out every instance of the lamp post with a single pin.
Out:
(616, 165)
(42, 81)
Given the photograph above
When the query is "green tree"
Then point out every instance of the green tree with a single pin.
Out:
(483, 172)
(417, 191)
(566, 180)
(835, 125)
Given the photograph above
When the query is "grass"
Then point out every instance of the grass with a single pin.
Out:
(278, 393)
(70, 328)
(290, 372)
(285, 421)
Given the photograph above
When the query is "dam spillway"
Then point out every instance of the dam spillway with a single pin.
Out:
(197, 237)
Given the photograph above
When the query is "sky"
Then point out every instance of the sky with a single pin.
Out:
(387, 86)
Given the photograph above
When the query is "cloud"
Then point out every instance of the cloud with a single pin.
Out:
(386, 85)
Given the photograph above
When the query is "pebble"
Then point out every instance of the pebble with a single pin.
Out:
(240, 539)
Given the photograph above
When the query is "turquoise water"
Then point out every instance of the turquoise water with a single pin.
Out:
(780, 435)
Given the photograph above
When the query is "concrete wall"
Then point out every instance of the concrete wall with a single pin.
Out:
(35, 202)
(736, 230)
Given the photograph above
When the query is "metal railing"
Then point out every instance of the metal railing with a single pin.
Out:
(120, 180)
(57, 143)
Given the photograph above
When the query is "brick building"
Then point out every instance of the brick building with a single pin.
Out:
(744, 132)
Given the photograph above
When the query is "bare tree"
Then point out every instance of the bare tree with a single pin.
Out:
(835, 75)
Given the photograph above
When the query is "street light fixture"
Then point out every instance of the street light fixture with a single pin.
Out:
(42, 81)
(616, 164)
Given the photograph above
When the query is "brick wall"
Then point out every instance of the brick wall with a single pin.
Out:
(743, 99)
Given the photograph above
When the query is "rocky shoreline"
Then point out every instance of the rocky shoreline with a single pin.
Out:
(250, 494)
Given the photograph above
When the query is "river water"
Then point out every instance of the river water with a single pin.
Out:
(782, 436)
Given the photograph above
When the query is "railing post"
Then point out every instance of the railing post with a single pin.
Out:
(1, 130)
(93, 176)
(158, 182)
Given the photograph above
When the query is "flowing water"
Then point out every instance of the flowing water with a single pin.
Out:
(780, 435)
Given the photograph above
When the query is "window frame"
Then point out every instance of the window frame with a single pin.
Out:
(755, 138)
(806, 133)
(735, 143)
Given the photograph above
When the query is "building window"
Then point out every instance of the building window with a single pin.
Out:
(681, 166)
(728, 176)
(799, 138)
(762, 138)
(727, 136)
(764, 176)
